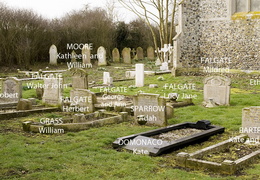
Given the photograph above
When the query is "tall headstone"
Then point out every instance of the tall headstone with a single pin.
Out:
(116, 55)
(101, 54)
(251, 121)
(73, 56)
(86, 55)
(126, 55)
(217, 88)
(79, 78)
(139, 77)
(53, 88)
(53, 54)
(140, 53)
(152, 106)
(150, 53)
(11, 90)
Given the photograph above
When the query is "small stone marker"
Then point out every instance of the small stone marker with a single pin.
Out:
(24, 104)
(116, 55)
(101, 54)
(126, 55)
(107, 80)
(150, 53)
(164, 66)
(251, 122)
(217, 88)
(152, 106)
(140, 53)
(139, 78)
(53, 55)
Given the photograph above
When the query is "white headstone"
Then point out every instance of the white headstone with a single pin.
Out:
(164, 66)
(101, 54)
(139, 78)
(106, 78)
(53, 55)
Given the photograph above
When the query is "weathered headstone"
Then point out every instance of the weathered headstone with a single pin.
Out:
(79, 78)
(217, 88)
(73, 56)
(130, 74)
(84, 99)
(11, 90)
(126, 55)
(116, 55)
(86, 55)
(150, 53)
(140, 53)
(101, 54)
(53, 88)
(139, 78)
(39, 93)
(53, 54)
(152, 106)
(24, 104)
(251, 122)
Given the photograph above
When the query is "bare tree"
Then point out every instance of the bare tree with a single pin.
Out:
(158, 12)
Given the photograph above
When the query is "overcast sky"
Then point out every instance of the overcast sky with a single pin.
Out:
(57, 8)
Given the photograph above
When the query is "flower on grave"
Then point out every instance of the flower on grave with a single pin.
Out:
(160, 78)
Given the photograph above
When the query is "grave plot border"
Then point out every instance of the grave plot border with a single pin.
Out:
(226, 167)
(23, 113)
(210, 130)
(75, 127)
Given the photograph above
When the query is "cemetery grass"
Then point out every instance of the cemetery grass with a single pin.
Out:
(89, 154)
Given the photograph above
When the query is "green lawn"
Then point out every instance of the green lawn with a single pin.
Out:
(89, 154)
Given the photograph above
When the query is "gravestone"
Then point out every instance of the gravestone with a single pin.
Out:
(107, 80)
(83, 98)
(86, 55)
(116, 55)
(73, 56)
(164, 66)
(217, 88)
(130, 74)
(140, 53)
(24, 104)
(150, 53)
(158, 62)
(79, 78)
(101, 54)
(11, 90)
(152, 106)
(139, 78)
(53, 88)
(251, 121)
(53, 55)
(126, 55)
